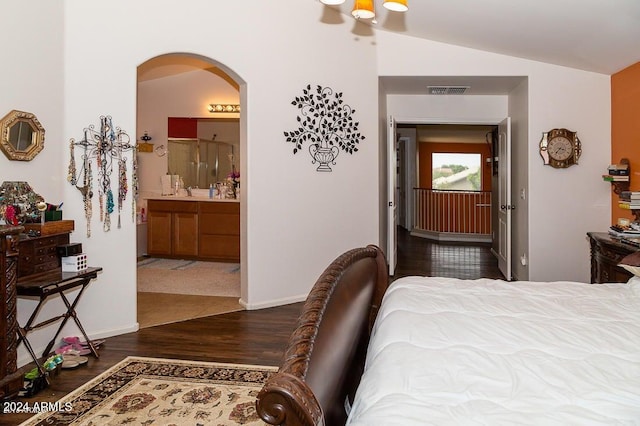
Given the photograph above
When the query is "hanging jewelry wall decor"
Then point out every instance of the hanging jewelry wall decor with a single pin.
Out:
(104, 146)
(327, 123)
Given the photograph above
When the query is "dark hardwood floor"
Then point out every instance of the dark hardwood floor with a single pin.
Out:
(255, 337)
(420, 256)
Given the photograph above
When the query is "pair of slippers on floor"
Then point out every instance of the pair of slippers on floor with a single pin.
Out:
(69, 359)
(73, 343)
(73, 351)
(72, 360)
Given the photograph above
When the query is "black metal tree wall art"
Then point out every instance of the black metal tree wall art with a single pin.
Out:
(327, 123)
(105, 146)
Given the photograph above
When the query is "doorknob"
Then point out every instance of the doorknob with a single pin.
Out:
(502, 207)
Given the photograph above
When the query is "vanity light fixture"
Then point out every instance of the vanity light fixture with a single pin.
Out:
(224, 108)
(146, 138)
(364, 9)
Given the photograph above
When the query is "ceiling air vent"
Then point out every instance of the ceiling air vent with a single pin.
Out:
(447, 90)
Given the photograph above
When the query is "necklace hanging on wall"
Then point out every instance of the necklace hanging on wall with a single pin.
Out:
(105, 145)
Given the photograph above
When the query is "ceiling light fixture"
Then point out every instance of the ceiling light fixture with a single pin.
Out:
(364, 9)
(396, 5)
(224, 108)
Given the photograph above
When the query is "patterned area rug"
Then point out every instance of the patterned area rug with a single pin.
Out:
(153, 391)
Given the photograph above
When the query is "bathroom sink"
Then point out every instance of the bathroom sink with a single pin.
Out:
(200, 193)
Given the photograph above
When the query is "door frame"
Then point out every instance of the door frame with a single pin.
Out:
(392, 195)
(427, 120)
(405, 177)
(504, 203)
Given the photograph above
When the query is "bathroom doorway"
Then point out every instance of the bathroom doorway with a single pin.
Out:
(171, 288)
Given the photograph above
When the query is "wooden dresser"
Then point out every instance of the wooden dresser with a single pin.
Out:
(21, 256)
(38, 254)
(606, 253)
(10, 380)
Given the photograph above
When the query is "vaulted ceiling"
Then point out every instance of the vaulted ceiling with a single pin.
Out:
(594, 35)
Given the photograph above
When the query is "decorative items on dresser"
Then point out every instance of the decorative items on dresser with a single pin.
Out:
(606, 254)
(19, 203)
(10, 377)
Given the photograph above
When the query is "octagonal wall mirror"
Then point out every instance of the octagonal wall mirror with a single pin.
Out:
(21, 136)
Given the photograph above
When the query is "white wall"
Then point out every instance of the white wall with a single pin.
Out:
(296, 219)
(31, 71)
(453, 108)
(31, 79)
(383, 178)
(562, 204)
(519, 113)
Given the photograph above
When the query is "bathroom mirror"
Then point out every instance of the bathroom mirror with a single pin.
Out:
(21, 136)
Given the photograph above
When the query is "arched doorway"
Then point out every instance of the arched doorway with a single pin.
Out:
(180, 87)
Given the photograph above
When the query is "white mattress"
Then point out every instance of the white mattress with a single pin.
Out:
(488, 352)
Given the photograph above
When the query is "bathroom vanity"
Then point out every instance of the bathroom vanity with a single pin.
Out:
(194, 228)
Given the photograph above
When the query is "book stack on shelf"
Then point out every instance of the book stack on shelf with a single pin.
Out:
(629, 200)
(617, 173)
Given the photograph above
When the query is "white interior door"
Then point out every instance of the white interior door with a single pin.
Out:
(504, 198)
(392, 211)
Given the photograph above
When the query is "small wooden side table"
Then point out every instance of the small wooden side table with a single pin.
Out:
(45, 285)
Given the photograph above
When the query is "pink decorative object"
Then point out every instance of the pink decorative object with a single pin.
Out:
(10, 215)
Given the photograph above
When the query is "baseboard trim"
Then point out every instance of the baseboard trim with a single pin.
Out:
(25, 358)
(272, 303)
(451, 236)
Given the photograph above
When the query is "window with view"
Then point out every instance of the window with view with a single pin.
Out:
(454, 171)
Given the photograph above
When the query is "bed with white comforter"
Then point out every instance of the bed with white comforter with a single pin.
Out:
(446, 351)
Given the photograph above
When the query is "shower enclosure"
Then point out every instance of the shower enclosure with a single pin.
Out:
(201, 162)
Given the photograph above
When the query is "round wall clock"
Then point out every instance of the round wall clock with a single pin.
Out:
(560, 148)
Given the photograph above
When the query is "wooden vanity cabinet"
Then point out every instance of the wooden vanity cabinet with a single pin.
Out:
(172, 228)
(206, 230)
(219, 237)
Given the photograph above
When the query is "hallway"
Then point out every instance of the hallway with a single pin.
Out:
(421, 256)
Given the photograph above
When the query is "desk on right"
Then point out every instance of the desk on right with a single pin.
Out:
(606, 253)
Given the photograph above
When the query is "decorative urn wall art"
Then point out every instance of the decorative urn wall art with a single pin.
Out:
(327, 123)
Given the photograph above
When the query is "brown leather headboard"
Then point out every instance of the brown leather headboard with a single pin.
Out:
(324, 358)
